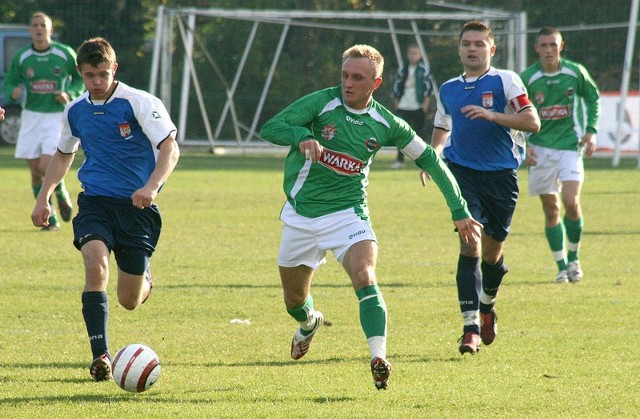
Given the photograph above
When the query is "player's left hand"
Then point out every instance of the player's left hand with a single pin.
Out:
(143, 197)
(588, 144)
(469, 230)
(1, 114)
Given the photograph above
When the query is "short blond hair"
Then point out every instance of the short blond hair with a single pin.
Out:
(366, 51)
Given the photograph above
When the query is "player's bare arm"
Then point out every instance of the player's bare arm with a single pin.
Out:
(58, 168)
(167, 160)
(526, 120)
(311, 149)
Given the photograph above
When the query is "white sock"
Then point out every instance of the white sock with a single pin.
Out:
(486, 298)
(378, 347)
(471, 318)
(310, 323)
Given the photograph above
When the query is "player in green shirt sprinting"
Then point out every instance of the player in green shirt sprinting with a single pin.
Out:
(46, 72)
(568, 102)
(334, 135)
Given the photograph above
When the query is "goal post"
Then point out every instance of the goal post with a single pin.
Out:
(193, 66)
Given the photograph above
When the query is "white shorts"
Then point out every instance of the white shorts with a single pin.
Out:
(553, 168)
(39, 134)
(305, 241)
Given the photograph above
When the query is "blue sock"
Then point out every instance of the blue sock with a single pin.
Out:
(468, 280)
(95, 310)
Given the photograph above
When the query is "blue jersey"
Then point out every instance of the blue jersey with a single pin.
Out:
(119, 137)
(480, 144)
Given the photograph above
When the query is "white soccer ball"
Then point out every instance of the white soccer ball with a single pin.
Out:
(136, 368)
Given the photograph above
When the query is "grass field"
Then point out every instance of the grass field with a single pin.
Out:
(563, 351)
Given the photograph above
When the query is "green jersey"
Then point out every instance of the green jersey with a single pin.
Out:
(42, 73)
(350, 140)
(568, 102)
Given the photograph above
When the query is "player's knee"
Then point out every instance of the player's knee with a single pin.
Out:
(129, 302)
(363, 277)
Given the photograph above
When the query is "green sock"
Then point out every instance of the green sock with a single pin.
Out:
(61, 191)
(302, 313)
(574, 234)
(555, 238)
(373, 311)
(36, 190)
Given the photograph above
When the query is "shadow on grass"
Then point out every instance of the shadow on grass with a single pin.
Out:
(345, 285)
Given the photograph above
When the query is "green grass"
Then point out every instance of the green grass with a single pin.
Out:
(564, 351)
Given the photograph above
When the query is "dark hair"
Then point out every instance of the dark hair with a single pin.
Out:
(548, 31)
(96, 51)
(477, 26)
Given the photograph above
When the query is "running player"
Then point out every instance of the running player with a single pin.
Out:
(333, 135)
(46, 72)
(568, 101)
(475, 129)
(130, 150)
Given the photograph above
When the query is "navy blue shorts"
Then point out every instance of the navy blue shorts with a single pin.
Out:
(131, 233)
(491, 197)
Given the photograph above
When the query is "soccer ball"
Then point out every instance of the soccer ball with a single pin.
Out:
(136, 368)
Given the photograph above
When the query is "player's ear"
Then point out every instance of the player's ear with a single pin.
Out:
(377, 82)
(115, 68)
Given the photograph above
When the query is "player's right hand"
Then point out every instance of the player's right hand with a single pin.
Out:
(311, 149)
(17, 92)
(531, 158)
(424, 177)
(40, 214)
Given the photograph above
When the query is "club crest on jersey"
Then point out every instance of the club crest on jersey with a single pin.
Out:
(328, 132)
(341, 163)
(487, 99)
(539, 97)
(125, 129)
(372, 144)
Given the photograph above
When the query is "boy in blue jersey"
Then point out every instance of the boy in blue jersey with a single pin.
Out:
(130, 150)
(333, 135)
(477, 129)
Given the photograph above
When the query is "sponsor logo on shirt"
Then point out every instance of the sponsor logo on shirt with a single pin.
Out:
(43, 86)
(487, 99)
(354, 121)
(328, 132)
(155, 114)
(554, 112)
(125, 129)
(341, 162)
